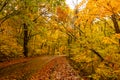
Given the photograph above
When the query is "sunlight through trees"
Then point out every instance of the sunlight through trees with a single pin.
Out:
(88, 33)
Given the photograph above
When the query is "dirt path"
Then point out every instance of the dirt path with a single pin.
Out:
(41, 68)
(23, 70)
(57, 69)
(14, 61)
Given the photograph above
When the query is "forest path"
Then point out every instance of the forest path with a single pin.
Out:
(40, 68)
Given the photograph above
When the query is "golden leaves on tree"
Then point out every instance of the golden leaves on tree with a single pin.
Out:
(62, 14)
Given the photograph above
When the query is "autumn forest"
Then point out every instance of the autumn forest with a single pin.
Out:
(87, 38)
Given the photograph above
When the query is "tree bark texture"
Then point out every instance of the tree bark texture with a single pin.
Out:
(25, 41)
(116, 25)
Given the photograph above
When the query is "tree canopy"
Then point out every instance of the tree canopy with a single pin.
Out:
(89, 34)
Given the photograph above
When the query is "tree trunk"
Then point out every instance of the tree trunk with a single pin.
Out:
(69, 41)
(116, 26)
(25, 44)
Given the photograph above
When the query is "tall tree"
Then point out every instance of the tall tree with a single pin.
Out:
(104, 8)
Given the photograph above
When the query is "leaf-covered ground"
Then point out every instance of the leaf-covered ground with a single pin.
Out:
(57, 69)
(23, 70)
(40, 68)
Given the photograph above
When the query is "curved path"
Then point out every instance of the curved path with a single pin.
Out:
(40, 68)
(57, 69)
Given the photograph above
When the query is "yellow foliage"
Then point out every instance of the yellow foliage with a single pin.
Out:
(62, 14)
(82, 58)
(108, 40)
(61, 49)
(117, 36)
(104, 7)
(98, 9)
